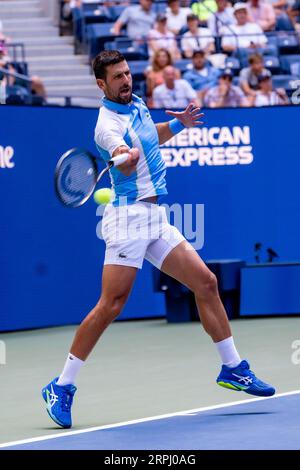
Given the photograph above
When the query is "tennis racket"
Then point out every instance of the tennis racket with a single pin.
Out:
(77, 174)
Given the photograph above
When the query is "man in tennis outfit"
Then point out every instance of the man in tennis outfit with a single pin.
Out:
(135, 227)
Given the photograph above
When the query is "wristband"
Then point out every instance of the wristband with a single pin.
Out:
(176, 126)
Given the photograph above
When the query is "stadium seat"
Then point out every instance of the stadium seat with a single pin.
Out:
(20, 67)
(295, 69)
(183, 65)
(272, 38)
(272, 63)
(97, 36)
(160, 7)
(18, 95)
(243, 54)
(234, 64)
(127, 48)
(288, 44)
(96, 9)
(288, 60)
(288, 82)
(116, 11)
(126, 45)
(138, 68)
(139, 88)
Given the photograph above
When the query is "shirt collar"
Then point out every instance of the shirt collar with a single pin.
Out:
(122, 108)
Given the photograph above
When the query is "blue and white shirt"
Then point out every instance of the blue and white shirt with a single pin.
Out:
(131, 125)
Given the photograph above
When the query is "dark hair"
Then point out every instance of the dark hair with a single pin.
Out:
(103, 60)
(192, 17)
(255, 58)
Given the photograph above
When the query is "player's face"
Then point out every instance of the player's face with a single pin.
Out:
(118, 83)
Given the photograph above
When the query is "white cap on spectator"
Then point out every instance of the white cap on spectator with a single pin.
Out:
(239, 6)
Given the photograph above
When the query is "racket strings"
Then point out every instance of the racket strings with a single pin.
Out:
(76, 179)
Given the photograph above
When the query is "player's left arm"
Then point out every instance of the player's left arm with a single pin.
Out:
(190, 117)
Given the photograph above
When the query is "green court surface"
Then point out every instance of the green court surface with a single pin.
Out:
(138, 369)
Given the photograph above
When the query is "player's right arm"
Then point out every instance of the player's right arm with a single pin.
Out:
(109, 136)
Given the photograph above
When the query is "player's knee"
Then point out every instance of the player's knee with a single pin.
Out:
(109, 309)
(208, 287)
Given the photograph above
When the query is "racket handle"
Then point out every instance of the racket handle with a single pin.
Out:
(119, 159)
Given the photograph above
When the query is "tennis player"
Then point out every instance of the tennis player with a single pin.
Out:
(125, 125)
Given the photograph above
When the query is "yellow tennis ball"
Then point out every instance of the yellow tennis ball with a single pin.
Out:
(103, 196)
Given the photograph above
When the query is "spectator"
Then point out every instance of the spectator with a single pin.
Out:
(176, 16)
(161, 37)
(247, 35)
(283, 22)
(225, 94)
(7, 80)
(203, 10)
(266, 95)
(223, 16)
(2, 37)
(249, 75)
(294, 14)
(66, 9)
(262, 13)
(139, 20)
(173, 93)
(37, 86)
(196, 38)
(203, 75)
(154, 75)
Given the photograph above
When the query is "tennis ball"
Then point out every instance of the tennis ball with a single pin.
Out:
(102, 196)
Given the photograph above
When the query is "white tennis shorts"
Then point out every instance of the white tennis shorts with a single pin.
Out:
(136, 232)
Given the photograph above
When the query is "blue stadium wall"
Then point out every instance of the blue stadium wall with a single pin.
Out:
(244, 166)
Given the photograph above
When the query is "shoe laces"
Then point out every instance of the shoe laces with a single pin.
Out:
(245, 365)
(66, 400)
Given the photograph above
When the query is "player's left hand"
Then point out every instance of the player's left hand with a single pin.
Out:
(190, 117)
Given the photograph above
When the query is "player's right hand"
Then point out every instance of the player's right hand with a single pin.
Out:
(129, 166)
(134, 155)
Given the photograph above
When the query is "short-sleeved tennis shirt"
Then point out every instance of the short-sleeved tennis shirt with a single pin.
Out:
(131, 125)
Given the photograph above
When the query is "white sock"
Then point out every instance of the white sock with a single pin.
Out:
(71, 369)
(227, 350)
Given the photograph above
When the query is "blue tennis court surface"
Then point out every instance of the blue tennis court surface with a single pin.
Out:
(271, 423)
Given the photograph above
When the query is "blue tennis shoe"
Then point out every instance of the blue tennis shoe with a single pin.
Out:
(241, 378)
(59, 399)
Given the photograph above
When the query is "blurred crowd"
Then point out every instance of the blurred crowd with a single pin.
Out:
(16, 87)
(206, 33)
(203, 35)
(239, 26)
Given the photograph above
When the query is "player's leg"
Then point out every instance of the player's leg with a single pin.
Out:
(123, 256)
(184, 264)
(117, 281)
(176, 257)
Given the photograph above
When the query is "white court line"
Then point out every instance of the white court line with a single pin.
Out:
(144, 420)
